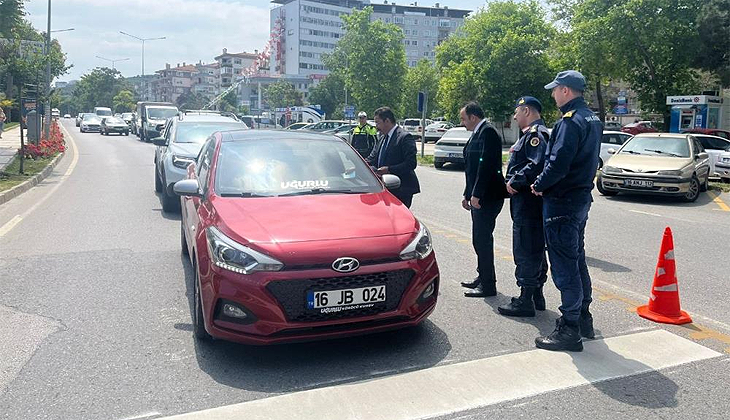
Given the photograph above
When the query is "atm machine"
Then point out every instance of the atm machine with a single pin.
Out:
(694, 111)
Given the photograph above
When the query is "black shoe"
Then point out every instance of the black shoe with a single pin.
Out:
(539, 299)
(482, 291)
(564, 338)
(585, 325)
(520, 306)
(472, 284)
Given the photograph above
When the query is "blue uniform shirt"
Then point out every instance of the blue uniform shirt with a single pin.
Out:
(526, 161)
(571, 157)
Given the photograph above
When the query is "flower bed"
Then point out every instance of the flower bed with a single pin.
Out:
(46, 147)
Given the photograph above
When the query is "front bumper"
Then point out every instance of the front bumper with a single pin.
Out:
(119, 130)
(277, 301)
(662, 185)
(91, 128)
(722, 169)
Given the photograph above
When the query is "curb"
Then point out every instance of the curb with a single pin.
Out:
(30, 183)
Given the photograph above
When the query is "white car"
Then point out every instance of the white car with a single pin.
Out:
(436, 130)
(450, 147)
(611, 140)
(413, 126)
(719, 150)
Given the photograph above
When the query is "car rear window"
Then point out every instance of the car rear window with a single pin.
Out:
(661, 146)
(291, 167)
(412, 123)
(198, 132)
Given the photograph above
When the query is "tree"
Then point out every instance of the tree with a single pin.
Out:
(99, 88)
(329, 94)
(713, 22)
(229, 102)
(191, 100)
(500, 54)
(282, 94)
(422, 78)
(124, 101)
(12, 13)
(371, 61)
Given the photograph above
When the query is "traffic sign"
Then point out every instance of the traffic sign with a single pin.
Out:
(350, 112)
(621, 109)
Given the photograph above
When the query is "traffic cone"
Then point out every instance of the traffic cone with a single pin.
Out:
(664, 297)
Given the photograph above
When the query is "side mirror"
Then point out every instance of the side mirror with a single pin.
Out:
(611, 151)
(159, 141)
(187, 188)
(391, 181)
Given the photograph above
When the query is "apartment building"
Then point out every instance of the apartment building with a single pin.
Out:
(206, 79)
(171, 82)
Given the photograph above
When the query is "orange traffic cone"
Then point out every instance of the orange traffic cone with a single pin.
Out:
(664, 297)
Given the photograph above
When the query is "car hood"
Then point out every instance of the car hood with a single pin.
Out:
(185, 149)
(640, 163)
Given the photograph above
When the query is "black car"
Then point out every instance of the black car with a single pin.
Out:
(114, 125)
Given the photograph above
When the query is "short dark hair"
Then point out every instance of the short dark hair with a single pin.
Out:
(385, 113)
(473, 108)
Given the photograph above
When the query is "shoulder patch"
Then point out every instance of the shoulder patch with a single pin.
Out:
(568, 114)
(535, 141)
(533, 129)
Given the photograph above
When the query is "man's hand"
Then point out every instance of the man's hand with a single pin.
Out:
(465, 204)
(382, 170)
(537, 193)
(474, 203)
(511, 190)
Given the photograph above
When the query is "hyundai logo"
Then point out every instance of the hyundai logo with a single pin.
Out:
(345, 265)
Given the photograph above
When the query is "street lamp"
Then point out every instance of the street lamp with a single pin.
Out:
(143, 41)
(48, 71)
(112, 61)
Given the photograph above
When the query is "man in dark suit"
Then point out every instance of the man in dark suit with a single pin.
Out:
(483, 196)
(395, 154)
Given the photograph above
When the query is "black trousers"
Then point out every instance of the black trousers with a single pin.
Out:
(528, 240)
(483, 221)
(405, 198)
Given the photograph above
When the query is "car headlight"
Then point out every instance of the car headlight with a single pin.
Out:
(182, 162)
(420, 247)
(612, 170)
(232, 256)
(670, 173)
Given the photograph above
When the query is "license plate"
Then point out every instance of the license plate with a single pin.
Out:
(638, 183)
(454, 155)
(345, 297)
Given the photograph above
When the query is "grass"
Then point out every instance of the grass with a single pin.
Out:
(720, 186)
(10, 126)
(9, 177)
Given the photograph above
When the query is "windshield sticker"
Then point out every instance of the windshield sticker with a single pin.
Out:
(302, 185)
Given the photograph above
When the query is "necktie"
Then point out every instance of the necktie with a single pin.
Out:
(381, 156)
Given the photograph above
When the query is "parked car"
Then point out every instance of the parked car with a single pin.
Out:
(413, 125)
(611, 140)
(719, 150)
(183, 137)
(103, 111)
(450, 147)
(435, 130)
(262, 276)
(90, 123)
(128, 117)
(297, 126)
(325, 125)
(612, 125)
(150, 115)
(249, 120)
(66, 116)
(639, 127)
(657, 163)
(710, 131)
(79, 117)
(111, 125)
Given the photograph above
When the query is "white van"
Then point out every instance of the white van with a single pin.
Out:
(413, 125)
(103, 111)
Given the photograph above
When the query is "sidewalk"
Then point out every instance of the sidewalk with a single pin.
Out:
(9, 145)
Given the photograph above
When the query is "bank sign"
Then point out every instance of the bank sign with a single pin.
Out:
(693, 100)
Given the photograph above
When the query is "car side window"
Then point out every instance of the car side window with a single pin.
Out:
(204, 161)
(697, 146)
(167, 130)
(612, 139)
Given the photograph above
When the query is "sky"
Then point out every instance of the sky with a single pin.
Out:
(195, 30)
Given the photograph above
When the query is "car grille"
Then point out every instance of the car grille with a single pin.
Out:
(292, 294)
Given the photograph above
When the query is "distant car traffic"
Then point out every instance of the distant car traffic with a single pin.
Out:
(612, 125)
(710, 131)
(90, 123)
(450, 147)
(297, 126)
(128, 117)
(262, 276)
(719, 150)
(611, 140)
(639, 127)
(66, 116)
(103, 111)
(183, 137)
(114, 125)
(79, 117)
(435, 130)
(413, 125)
(150, 116)
(325, 125)
(657, 163)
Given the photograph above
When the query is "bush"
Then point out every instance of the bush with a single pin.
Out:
(46, 147)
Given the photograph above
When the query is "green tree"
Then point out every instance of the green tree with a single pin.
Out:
(12, 13)
(229, 102)
(500, 54)
(124, 101)
(99, 88)
(191, 100)
(422, 78)
(713, 22)
(282, 94)
(329, 94)
(371, 61)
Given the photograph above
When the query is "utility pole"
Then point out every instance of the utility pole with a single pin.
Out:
(112, 61)
(48, 75)
(143, 41)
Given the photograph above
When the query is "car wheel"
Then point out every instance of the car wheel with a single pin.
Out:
(694, 190)
(170, 203)
(438, 165)
(603, 191)
(705, 185)
(158, 182)
(198, 323)
(183, 242)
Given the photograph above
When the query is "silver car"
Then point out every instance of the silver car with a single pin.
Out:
(450, 147)
(719, 150)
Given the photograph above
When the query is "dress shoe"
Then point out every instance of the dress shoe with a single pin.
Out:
(585, 324)
(539, 299)
(520, 306)
(565, 338)
(490, 289)
(472, 284)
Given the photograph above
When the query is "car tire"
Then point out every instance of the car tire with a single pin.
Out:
(603, 191)
(199, 331)
(705, 185)
(183, 243)
(158, 182)
(438, 164)
(694, 190)
(170, 204)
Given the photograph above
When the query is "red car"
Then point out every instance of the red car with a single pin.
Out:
(639, 127)
(709, 131)
(292, 237)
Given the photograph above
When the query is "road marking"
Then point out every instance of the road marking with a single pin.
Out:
(645, 212)
(444, 390)
(142, 416)
(719, 202)
(7, 227)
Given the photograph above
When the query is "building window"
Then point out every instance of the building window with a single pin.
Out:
(398, 20)
(415, 32)
(237, 61)
(414, 43)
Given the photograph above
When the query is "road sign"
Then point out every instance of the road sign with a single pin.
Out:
(621, 100)
(621, 109)
(421, 101)
(350, 112)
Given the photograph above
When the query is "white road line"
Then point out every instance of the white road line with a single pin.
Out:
(142, 416)
(7, 227)
(444, 390)
(646, 212)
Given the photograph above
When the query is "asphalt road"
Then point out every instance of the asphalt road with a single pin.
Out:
(95, 309)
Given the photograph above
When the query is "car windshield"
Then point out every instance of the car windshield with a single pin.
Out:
(127, 115)
(91, 118)
(291, 167)
(113, 120)
(161, 113)
(664, 146)
(198, 132)
(103, 112)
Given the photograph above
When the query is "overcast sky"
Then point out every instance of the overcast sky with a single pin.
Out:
(194, 30)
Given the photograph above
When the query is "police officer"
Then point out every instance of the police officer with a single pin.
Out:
(528, 239)
(364, 136)
(565, 184)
